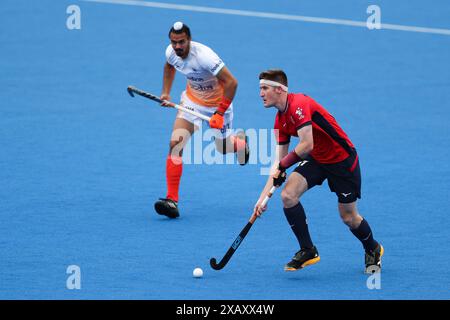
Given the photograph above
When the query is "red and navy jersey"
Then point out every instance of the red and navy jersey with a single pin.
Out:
(331, 144)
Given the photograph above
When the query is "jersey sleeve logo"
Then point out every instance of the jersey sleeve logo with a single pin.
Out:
(213, 69)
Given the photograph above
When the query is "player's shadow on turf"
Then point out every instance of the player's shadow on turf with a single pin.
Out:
(303, 277)
(167, 220)
(312, 274)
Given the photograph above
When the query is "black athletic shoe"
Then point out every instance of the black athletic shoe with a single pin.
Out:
(243, 155)
(167, 207)
(373, 259)
(303, 258)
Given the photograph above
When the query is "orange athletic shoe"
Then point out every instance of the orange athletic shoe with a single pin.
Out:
(304, 257)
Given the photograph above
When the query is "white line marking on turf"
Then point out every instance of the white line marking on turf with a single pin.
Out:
(258, 14)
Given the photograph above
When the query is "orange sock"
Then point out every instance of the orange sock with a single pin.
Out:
(174, 168)
(238, 143)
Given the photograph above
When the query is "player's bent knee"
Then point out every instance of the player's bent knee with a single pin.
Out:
(175, 145)
(224, 146)
(289, 197)
(221, 145)
(176, 148)
(352, 222)
(178, 142)
(350, 216)
(347, 219)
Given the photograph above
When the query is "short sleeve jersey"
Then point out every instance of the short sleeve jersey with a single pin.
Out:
(200, 67)
(331, 143)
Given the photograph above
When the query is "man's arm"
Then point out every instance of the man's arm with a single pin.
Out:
(281, 152)
(168, 77)
(229, 83)
(306, 144)
(229, 90)
(301, 150)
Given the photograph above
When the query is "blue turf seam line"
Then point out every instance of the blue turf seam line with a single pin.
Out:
(258, 14)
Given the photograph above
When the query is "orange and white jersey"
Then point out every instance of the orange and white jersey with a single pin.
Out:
(200, 68)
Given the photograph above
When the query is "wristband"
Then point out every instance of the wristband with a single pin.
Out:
(224, 104)
(290, 159)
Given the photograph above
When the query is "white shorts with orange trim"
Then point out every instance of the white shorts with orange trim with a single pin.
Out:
(207, 111)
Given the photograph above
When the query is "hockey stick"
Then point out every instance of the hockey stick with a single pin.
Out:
(239, 239)
(132, 90)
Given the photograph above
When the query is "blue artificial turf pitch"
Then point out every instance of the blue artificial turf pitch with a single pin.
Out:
(81, 163)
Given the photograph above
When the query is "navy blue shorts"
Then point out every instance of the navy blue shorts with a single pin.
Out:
(344, 178)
